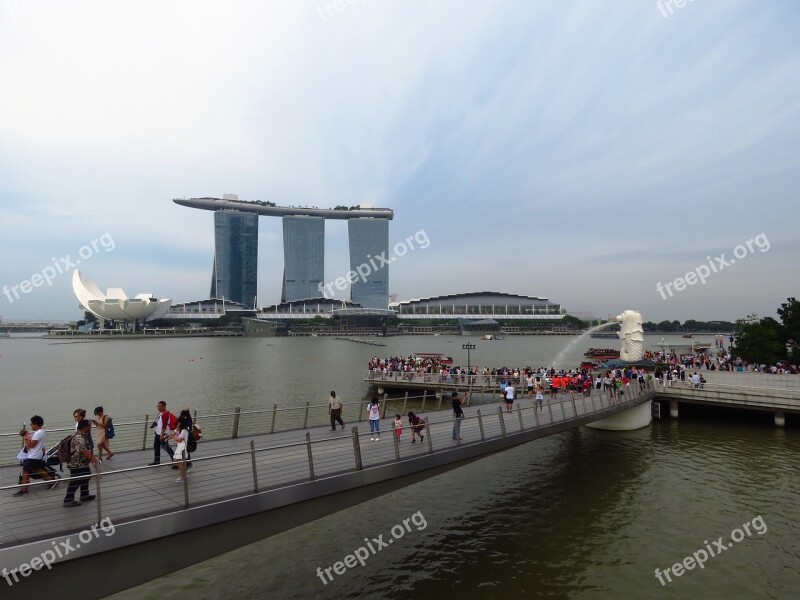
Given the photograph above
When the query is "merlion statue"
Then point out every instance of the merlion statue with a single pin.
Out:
(631, 334)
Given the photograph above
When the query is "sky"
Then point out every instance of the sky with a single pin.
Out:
(580, 151)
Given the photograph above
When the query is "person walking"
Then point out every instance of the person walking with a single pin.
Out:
(181, 437)
(417, 425)
(509, 393)
(539, 397)
(335, 409)
(101, 422)
(34, 463)
(458, 415)
(78, 414)
(164, 424)
(398, 427)
(374, 412)
(185, 422)
(80, 457)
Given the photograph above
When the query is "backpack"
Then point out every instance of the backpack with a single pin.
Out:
(172, 421)
(194, 436)
(110, 432)
(65, 451)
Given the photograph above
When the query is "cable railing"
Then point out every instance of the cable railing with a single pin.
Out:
(136, 434)
(121, 494)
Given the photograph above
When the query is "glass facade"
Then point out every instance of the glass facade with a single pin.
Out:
(235, 272)
(369, 238)
(303, 258)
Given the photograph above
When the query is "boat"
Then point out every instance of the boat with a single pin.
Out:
(688, 336)
(491, 337)
(7, 334)
(601, 354)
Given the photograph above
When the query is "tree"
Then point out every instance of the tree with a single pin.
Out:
(759, 341)
(573, 322)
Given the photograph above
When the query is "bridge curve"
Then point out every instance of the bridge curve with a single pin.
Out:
(248, 489)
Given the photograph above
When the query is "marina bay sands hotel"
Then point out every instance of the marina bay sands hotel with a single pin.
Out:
(235, 272)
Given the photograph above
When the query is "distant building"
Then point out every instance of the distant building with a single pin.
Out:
(479, 306)
(303, 258)
(115, 305)
(235, 272)
(369, 238)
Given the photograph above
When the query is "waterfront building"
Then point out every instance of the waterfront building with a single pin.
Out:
(115, 305)
(234, 274)
(369, 238)
(303, 257)
(480, 311)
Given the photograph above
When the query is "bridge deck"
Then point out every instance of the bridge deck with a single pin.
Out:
(225, 468)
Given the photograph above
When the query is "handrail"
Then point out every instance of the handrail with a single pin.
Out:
(633, 398)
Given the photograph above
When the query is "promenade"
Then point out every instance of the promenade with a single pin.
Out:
(291, 476)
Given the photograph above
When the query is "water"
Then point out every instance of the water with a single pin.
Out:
(567, 351)
(584, 514)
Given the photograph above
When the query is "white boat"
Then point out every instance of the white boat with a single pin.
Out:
(7, 334)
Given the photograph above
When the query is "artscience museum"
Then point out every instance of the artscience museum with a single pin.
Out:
(115, 305)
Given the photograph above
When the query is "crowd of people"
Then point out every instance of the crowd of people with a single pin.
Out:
(177, 436)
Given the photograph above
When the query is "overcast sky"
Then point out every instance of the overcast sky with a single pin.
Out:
(579, 151)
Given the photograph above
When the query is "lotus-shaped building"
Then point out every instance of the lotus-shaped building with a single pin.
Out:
(114, 304)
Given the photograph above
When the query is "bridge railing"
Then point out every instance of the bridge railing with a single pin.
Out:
(136, 434)
(122, 495)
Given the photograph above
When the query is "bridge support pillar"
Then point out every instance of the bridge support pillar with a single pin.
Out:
(673, 409)
(780, 418)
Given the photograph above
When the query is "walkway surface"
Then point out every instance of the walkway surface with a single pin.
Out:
(225, 468)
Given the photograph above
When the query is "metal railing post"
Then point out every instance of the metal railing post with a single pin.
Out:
(480, 425)
(519, 412)
(536, 413)
(310, 456)
(574, 408)
(396, 445)
(357, 449)
(305, 420)
(502, 420)
(424, 397)
(236, 411)
(146, 427)
(594, 406)
(253, 461)
(430, 437)
(405, 404)
(185, 480)
(469, 396)
(550, 410)
(99, 495)
(441, 395)
(274, 414)
(563, 411)
(385, 402)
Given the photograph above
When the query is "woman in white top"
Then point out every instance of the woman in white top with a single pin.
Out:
(181, 437)
(374, 412)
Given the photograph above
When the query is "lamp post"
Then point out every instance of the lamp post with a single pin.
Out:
(468, 348)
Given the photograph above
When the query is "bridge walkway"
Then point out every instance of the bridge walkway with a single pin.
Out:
(130, 490)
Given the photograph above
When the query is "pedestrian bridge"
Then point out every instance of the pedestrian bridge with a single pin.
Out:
(246, 486)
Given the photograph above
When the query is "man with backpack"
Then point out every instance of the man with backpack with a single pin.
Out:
(80, 457)
(164, 424)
